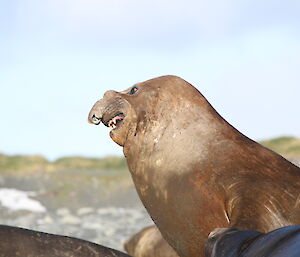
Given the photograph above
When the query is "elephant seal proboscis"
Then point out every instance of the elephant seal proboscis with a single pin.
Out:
(149, 243)
(20, 242)
(193, 171)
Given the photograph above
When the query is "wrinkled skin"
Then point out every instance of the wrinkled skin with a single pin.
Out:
(19, 242)
(230, 242)
(148, 243)
(193, 171)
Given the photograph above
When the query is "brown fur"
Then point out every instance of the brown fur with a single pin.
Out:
(18, 242)
(193, 171)
(149, 243)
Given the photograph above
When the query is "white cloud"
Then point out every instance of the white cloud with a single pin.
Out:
(240, 54)
(150, 23)
(131, 18)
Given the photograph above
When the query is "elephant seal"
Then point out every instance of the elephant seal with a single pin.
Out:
(193, 171)
(232, 242)
(19, 242)
(149, 243)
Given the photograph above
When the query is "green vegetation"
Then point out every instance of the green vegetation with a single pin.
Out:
(289, 147)
(35, 163)
(81, 163)
(22, 163)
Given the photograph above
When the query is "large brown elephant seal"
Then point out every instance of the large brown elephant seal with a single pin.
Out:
(192, 170)
(19, 242)
(149, 243)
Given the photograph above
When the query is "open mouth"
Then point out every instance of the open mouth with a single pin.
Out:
(115, 121)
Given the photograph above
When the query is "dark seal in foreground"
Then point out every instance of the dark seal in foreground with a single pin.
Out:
(193, 171)
(230, 242)
(18, 242)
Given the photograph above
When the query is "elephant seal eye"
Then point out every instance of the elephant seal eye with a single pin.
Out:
(133, 90)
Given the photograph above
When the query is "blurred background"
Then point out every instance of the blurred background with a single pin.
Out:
(57, 57)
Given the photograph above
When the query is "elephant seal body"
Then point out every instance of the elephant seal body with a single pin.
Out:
(149, 243)
(231, 242)
(192, 170)
(19, 242)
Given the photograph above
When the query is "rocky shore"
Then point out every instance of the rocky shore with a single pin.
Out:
(109, 226)
(97, 206)
(85, 205)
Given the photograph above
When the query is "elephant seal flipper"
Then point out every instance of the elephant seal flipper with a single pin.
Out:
(193, 171)
(20, 242)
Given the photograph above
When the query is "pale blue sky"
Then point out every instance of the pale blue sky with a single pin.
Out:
(57, 57)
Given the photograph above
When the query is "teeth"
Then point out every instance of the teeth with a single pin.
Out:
(112, 124)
